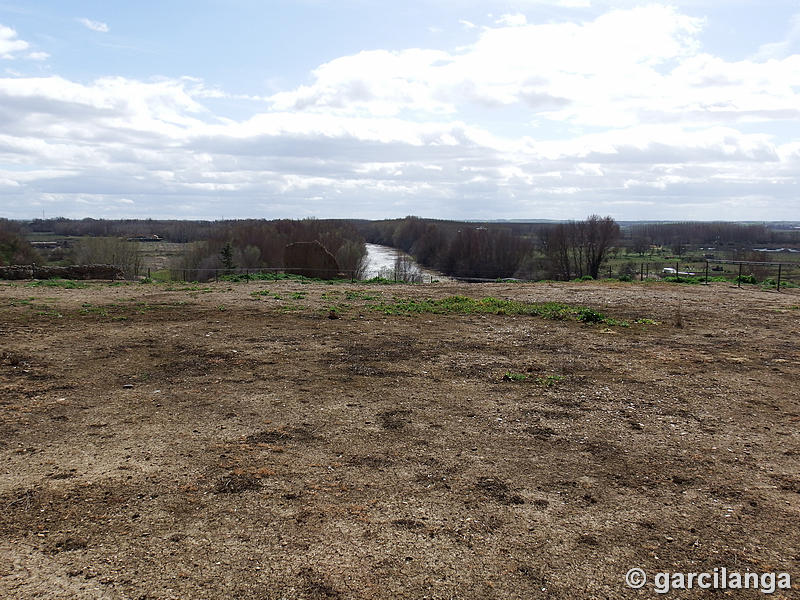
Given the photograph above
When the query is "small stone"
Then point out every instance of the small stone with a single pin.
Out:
(127, 386)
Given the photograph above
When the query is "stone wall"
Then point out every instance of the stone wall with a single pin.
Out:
(73, 272)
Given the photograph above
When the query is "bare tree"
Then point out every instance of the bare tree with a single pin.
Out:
(108, 251)
(578, 248)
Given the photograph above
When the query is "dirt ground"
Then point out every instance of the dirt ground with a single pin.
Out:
(208, 441)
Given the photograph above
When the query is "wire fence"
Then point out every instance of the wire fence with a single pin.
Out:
(768, 274)
(202, 275)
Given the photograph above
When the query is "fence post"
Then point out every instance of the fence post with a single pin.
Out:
(739, 279)
(706, 272)
(148, 272)
(779, 276)
(184, 275)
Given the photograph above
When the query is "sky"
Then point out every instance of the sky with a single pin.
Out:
(454, 109)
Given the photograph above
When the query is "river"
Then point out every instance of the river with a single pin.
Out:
(381, 263)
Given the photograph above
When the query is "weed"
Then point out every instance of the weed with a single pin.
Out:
(237, 483)
(292, 307)
(549, 380)
(359, 295)
(644, 321)
(509, 376)
(266, 293)
(589, 315)
(297, 295)
(678, 319)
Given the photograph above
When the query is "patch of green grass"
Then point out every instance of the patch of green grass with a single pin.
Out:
(88, 309)
(25, 302)
(773, 283)
(59, 283)
(644, 321)
(292, 307)
(466, 306)
(297, 295)
(694, 279)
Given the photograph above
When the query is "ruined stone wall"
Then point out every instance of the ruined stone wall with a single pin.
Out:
(72, 272)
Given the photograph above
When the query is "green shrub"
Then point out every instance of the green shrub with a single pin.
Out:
(589, 315)
(746, 279)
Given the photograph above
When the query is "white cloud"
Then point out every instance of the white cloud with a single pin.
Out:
(397, 131)
(38, 56)
(467, 24)
(98, 26)
(10, 44)
(512, 20)
(784, 47)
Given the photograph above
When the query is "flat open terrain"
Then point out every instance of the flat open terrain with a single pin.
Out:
(211, 441)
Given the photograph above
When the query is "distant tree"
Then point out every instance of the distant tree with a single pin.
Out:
(14, 248)
(578, 248)
(640, 245)
(108, 251)
(352, 258)
(226, 255)
(404, 270)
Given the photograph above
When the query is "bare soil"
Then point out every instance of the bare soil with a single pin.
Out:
(204, 442)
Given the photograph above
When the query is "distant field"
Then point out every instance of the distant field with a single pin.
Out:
(302, 440)
(158, 255)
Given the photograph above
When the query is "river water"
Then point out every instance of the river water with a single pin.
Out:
(381, 262)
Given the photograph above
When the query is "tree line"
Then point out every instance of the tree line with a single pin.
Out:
(523, 250)
(500, 250)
